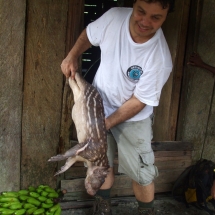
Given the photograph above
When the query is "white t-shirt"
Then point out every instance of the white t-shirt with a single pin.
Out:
(127, 67)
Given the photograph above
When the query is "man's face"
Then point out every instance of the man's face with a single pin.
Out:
(145, 20)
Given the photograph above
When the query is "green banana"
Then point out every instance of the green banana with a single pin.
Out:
(49, 190)
(9, 199)
(39, 190)
(20, 212)
(54, 208)
(23, 197)
(49, 213)
(31, 210)
(34, 194)
(58, 211)
(44, 205)
(39, 211)
(42, 198)
(23, 192)
(31, 188)
(33, 201)
(10, 194)
(49, 201)
(53, 195)
(7, 211)
(28, 205)
(44, 193)
(42, 186)
(7, 204)
(1, 209)
(16, 206)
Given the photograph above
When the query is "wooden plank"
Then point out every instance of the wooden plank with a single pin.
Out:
(74, 28)
(122, 185)
(162, 164)
(170, 162)
(173, 164)
(166, 146)
(12, 34)
(45, 49)
(172, 146)
(75, 172)
(172, 153)
(122, 181)
(173, 158)
(159, 188)
(166, 112)
(178, 68)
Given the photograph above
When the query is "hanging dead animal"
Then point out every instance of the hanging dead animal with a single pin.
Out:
(89, 119)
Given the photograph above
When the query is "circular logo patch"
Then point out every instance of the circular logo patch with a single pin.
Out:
(134, 73)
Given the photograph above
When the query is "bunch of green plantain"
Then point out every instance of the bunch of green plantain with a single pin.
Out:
(41, 200)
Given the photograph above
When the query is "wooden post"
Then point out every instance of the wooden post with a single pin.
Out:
(45, 48)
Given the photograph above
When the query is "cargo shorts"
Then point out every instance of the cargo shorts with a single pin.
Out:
(135, 154)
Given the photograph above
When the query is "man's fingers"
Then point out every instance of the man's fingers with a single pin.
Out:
(190, 63)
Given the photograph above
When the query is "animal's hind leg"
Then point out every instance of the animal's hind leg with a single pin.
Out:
(70, 161)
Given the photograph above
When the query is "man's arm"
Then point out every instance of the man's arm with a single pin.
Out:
(195, 60)
(69, 65)
(129, 109)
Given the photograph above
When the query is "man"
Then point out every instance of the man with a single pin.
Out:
(135, 64)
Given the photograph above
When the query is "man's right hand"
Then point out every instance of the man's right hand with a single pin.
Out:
(69, 66)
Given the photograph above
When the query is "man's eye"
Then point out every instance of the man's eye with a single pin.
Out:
(141, 12)
(155, 18)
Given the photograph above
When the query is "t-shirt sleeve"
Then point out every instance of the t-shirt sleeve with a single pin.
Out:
(149, 87)
(96, 29)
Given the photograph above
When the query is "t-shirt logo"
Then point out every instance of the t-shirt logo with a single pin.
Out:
(134, 73)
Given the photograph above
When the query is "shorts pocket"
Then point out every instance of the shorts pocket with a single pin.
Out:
(147, 170)
(147, 158)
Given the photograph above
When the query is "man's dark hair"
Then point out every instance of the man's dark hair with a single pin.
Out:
(164, 3)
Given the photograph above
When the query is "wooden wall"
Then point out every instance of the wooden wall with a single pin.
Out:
(32, 41)
(197, 110)
(35, 100)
